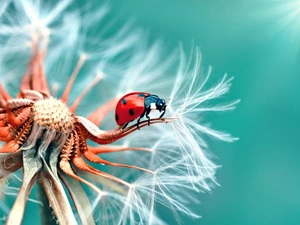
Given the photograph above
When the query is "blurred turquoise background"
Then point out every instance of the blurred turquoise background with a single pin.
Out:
(258, 43)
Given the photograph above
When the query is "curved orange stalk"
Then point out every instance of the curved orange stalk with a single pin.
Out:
(80, 63)
(15, 140)
(66, 167)
(2, 123)
(3, 94)
(92, 157)
(108, 137)
(85, 91)
(6, 134)
(112, 149)
(39, 81)
(10, 147)
(19, 119)
(96, 159)
(35, 78)
(82, 165)
(98, 115)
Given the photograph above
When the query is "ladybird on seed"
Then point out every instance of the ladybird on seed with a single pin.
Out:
(136, 105)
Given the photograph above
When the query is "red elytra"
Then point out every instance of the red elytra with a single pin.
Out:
(130, 107)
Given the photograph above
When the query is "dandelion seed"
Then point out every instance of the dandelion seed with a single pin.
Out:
(116, 174)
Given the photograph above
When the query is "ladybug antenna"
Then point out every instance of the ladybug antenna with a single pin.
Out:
(167, 102)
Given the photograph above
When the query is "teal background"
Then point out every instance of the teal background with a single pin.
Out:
(254, 42)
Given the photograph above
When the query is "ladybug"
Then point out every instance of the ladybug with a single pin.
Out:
(137, 105)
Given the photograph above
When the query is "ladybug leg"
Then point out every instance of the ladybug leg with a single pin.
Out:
(139, 119)
(125, 125)
(138, 122)
(162, 114)
(147, 115)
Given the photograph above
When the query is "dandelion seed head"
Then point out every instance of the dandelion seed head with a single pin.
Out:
(53, 114)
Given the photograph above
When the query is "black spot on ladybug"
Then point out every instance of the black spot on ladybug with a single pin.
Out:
(141, 95)
(131, 112)
(117, 117)
(124, 101)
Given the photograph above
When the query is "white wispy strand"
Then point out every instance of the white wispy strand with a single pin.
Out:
(180, 161)
(180, 157)
(9, 188)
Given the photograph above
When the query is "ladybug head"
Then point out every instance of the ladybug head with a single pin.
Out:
(161, 104)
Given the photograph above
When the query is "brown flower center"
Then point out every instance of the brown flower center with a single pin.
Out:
(53, 114)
